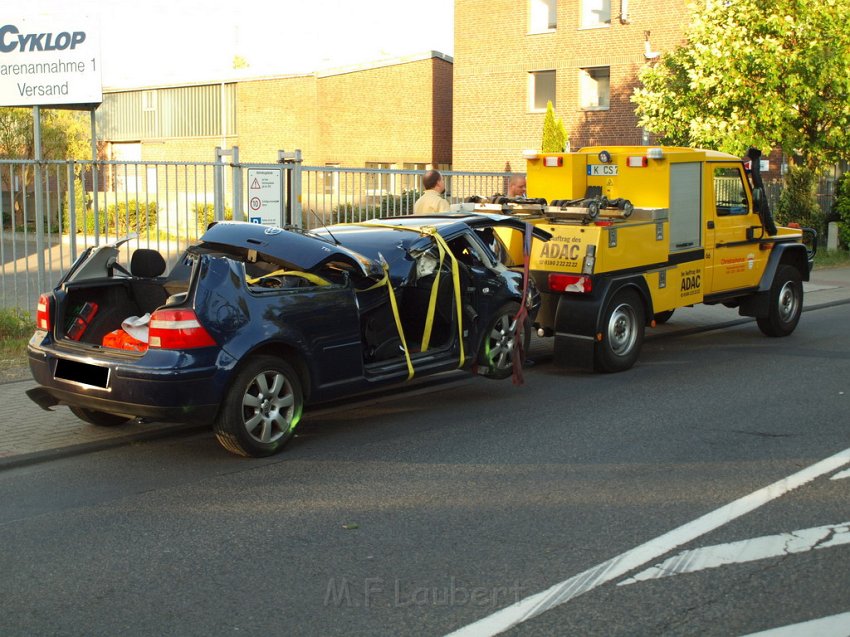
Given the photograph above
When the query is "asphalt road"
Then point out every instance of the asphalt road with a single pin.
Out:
(424, 514)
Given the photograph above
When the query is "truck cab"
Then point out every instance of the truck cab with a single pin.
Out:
(638, 232)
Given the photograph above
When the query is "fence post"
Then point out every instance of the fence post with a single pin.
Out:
(39, 200)
(236, 170)
(237, 185)
(293, 185)
(95, 187)
(72, 210)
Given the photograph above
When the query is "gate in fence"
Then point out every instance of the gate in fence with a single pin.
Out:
(168, 205)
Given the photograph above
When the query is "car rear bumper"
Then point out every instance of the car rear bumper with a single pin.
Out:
(188, 393)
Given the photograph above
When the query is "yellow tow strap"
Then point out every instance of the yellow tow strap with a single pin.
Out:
(443, 249)
(396, 316)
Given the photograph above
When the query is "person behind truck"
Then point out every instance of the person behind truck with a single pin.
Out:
(432, 199)
(516, 187)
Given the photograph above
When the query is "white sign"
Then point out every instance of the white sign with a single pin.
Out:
(603, 170)
(49, 59)
(264, 205)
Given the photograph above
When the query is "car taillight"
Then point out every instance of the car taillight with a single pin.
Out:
(177, 329)
(43, 314)
(80, 320)
(570, 283)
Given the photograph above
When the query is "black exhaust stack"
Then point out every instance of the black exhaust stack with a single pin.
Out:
(762, 207)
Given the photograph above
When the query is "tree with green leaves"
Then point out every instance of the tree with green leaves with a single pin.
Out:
(64, 135)
(554, 132)
(842, 209)
(762, 73)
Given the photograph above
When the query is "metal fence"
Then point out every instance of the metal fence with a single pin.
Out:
(50, 211)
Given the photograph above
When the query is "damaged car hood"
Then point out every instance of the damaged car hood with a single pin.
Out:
(296, 249)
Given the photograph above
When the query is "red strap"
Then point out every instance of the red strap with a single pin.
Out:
(519, 319)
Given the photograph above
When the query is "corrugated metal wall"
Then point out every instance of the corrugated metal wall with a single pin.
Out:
(160, 113)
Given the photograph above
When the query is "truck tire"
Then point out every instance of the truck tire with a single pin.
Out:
(622, 330)
(786, 302)
(261, 408)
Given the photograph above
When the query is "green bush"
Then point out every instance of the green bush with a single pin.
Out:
(205, 214)
(842, 209)
(798, 202)
(351, 213)
(398, 206)
(389, 206)
(15, 323)
(125, 217)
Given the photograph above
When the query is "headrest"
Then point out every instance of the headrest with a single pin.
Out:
(147, 263)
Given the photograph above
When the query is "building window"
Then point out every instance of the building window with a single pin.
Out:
(541, 90)
(379, 183)
(595, 13)
(595, 88)
(148, 100)
(542, 16)
(413, 183)
(330, 180)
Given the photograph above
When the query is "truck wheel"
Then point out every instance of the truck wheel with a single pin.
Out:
(99, 418)
(498, 346)
(786, 302)
(261, 408)
(622, 333)
(663, 317)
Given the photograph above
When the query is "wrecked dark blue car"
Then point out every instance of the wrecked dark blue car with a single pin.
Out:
(254, 322)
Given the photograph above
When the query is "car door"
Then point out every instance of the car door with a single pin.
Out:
(734, 259)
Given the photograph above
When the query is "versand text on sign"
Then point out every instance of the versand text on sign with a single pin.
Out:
(49, 60)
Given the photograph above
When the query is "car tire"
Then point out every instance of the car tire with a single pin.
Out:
(663, 317)
(622, 329)
(498, 345)
(261, 408)
(785, 304)
(99, 418)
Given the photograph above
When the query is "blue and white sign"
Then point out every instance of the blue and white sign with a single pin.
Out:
(49, 60)
(264, 196)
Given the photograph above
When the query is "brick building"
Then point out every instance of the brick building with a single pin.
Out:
(512, 57)
(393, 113)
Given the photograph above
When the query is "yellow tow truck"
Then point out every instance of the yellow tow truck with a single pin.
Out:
(638, 232)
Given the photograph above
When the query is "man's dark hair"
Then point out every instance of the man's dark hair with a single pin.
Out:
(430, 179)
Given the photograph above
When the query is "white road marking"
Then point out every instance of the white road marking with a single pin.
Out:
(618, 566)
(832, 626)
(758, 548)
(841, 475)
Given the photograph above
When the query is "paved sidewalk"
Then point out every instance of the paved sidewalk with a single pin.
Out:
(29, 434)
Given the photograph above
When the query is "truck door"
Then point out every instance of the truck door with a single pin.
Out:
(733, 261)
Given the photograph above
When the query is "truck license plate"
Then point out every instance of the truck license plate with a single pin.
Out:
(601, 170)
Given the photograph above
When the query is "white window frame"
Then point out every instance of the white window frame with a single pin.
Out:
(591, 93)
(377, 184)
(542, 16)
(533, 84)
(413, 182)
(595, 14)
(330, 179)
(149, 101)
